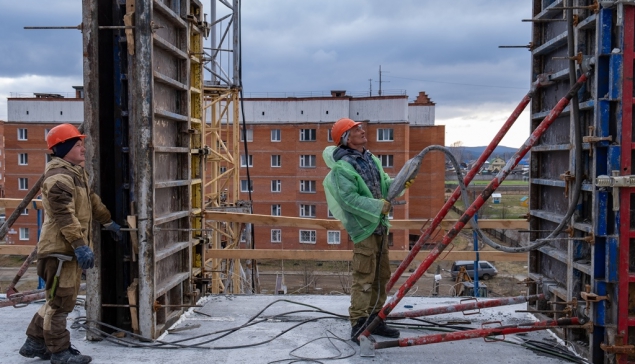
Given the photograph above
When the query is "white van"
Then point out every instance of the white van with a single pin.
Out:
(485, 269)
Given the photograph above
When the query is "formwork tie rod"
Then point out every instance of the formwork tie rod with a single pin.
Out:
(368, 346)
(477, 204)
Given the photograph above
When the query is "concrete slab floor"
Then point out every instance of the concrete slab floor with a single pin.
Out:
(312, 335)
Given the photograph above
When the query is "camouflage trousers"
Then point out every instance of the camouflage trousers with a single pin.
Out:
(49, 323)
(368, 290)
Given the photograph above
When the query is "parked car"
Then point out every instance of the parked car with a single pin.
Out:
(486, 270)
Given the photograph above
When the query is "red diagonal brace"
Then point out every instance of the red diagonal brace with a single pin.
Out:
(477, 204)
(472, 334)
(467, 306)
(541, 80)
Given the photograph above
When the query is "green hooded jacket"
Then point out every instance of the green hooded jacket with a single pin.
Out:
(350, 200)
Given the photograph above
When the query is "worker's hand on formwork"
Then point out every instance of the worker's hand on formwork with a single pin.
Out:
(115, 230)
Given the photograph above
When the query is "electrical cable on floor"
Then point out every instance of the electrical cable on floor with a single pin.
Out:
(160, 344)
(298, 358)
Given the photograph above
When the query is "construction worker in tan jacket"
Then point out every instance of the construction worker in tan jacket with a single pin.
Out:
(64, 247)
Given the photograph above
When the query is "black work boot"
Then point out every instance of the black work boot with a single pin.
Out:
(358, 328)
(382, 329)
(34, 347)
(70, 356)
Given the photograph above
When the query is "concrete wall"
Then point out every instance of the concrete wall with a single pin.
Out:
(45, 110)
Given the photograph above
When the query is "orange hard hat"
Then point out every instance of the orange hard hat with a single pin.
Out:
(342, 126)
(62, 133)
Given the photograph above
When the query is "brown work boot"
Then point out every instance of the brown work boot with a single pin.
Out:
(382, 329)
(35, 347)
(70, 356)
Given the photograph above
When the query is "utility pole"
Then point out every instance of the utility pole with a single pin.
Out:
(380, 81)
(370, 87)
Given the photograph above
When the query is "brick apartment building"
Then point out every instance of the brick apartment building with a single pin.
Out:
(286, 138)
(25, 153)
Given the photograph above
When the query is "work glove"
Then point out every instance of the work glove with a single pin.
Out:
(409, 182)
(386, 209)
(85, 257)
(115, 230)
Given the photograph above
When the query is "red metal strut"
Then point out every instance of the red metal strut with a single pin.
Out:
(540, 81)
(477, 204)
(368, 346)
(467, 306)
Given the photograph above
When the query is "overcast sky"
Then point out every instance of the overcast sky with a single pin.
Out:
(449, 49)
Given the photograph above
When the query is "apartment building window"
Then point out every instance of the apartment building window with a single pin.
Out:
(329, 214)
(250, 135)
(22, 134)
(276, 135)
(307, 135)
(385, 135)
(248, 163)
(308, 237)
(307, 161)
(46, 133)
(333, 237)
(307, 210)
(329, 137)
(307, 186)
(276, 235)
(48, 157)
(386, 160)
(276, 210)
(275, 160)
(23, 183)
(243, 186)
(23, 159)
(25, 212)
(24, 233)
(276, 185)
(222, 169)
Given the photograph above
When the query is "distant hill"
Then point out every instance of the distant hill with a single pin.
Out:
(466, 154)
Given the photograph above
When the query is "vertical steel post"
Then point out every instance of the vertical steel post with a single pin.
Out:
(90, 45)
(142, 146)
(237, 82)
(626, 280)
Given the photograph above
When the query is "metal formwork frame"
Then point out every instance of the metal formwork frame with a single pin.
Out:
(595, 265)
(151, 73)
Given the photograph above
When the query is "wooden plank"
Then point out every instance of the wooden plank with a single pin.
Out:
(14, 202)
(16, 249)
(332, 224)
(339, 255)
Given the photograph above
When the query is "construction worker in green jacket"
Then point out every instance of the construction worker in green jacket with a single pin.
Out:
(355, 190)
(64, 247)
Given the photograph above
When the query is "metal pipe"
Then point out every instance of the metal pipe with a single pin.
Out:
(76, 27)
(472, 334)
(468, 178)
(11, 289)
(467, 306)
(470, 211)
(18, 210)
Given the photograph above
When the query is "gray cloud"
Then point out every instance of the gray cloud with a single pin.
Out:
(448, 49)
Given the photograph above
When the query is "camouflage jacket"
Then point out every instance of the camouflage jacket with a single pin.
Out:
(69, 207)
